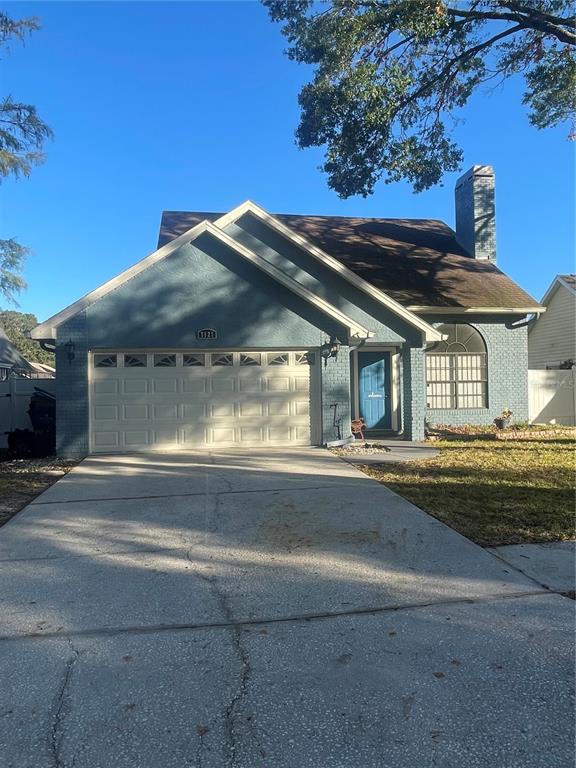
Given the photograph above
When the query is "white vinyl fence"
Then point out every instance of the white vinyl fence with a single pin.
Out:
(15, 397)
(552, 396)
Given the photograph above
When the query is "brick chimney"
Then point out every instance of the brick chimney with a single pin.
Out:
(475, 213)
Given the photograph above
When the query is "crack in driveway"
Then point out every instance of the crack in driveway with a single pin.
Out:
(236, 491)
(56, 734)
(263, 621)
(231, 713)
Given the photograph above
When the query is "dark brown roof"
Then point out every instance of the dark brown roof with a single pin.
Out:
(415, 261)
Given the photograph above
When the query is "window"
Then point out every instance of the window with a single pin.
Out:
(254, 358)
(306, 358)
(135, 361)
(105, 361)
(194, 360)
(164, 361)
(274, 359)
(456, 369)
(222, 360)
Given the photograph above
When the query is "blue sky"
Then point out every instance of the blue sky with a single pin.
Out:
(193, 106)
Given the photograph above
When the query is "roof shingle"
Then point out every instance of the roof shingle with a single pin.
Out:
(417, 262)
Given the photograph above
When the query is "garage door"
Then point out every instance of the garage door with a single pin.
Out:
(170, 400)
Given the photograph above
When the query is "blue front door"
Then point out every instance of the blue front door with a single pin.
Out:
(374, 389)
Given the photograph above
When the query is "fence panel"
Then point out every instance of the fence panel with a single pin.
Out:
(551, 396)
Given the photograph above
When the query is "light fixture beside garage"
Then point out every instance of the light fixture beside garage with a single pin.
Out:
(330, 349)
(70, 349)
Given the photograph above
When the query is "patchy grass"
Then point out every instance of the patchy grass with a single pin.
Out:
(517, 428)
(22, 480)
(493, 492)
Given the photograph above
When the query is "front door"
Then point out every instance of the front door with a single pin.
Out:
(374, 389)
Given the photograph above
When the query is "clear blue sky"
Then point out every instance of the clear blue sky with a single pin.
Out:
(193, 106)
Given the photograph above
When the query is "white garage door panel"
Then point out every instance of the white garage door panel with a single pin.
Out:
(188, 404)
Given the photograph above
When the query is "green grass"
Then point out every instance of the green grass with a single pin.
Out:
(494, 492)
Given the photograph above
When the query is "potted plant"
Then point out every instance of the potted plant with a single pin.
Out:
(504, 419)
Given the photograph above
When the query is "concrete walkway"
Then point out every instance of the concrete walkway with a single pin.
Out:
(553, 564)
(276, 609)
(393, 452)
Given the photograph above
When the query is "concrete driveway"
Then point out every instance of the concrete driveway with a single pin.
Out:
(275, 609)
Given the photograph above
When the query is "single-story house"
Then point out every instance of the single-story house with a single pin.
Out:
(552, 336)
(249, 328)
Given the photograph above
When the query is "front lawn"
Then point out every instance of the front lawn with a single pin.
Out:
(494, 492)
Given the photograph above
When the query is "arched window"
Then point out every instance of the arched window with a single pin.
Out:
(456, 369)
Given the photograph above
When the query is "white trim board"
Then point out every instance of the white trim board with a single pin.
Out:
(47, 329)
(430, 333)
(478, 310)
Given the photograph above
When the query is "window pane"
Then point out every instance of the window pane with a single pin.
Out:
(135, 361)
(254, 358)
(105, 361)
(164, 361)
(193, 360)
(222, 359)
(307, 358)
(456, 369)
(274, 359)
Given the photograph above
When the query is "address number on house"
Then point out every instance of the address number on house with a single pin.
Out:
(206, 333)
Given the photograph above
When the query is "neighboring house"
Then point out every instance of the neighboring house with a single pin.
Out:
(11, 361)
(552, 336)
(248, 328)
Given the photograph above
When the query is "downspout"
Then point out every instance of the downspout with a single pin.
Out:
(525, 323)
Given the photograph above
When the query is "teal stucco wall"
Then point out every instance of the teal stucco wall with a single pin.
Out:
(72, 389)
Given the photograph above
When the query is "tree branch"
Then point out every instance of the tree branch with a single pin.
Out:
(569, 21)
(464, 56)
(527, 21)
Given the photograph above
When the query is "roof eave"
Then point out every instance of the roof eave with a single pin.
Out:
(435, 310)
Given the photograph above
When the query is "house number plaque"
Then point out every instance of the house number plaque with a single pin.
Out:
(206, 333)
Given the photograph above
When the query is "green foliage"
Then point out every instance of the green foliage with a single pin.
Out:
(391, 74)
(12, 257)
(22, 136)
(15, 325)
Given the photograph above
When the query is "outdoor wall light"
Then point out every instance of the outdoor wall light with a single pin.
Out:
(70, 348)
(330, 349)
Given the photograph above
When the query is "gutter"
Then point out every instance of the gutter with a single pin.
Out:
(524, 323)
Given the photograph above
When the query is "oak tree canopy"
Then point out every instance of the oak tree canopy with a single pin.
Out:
(390, 77)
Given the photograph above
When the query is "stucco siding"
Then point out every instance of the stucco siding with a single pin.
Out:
(507, 350)
(552, 337)
(413, 393)
(72, 389)
(205, 285)
(336, 413)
